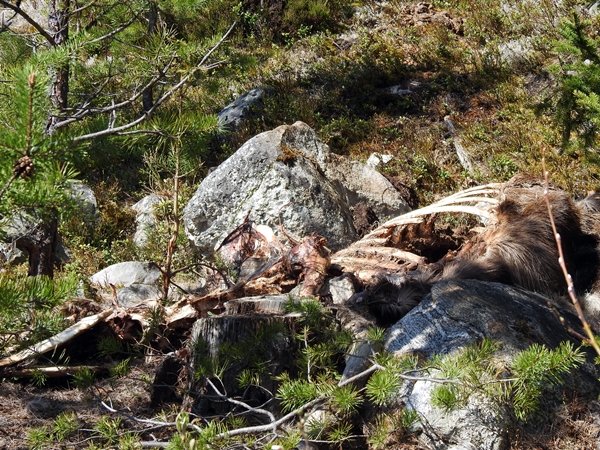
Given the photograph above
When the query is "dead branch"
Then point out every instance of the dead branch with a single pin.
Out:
(55, 371)
(56, 340)
(84, 110)
(159, 102)
(239, 403)
(591, 340)
(146, 421)
(39, 28)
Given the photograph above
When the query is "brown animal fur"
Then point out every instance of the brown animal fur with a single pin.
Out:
(518, 250)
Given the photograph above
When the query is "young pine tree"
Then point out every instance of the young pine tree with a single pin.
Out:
(577, 106)
(34, 168)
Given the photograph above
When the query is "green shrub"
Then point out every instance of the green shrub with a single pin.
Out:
(576, 97)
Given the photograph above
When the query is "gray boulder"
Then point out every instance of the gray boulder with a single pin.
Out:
(125, 274)
(85, 201)
(462, 312)
(286, 174)
(137, 293)
(10, 254)
(377, 159)
(357, 182)
(517, 51)
(134, 282)
(240, 109)
(146, 218)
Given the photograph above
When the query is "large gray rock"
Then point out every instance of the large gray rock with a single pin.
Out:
(357, 182)
(137, 293)
(37, 10)
(133, 283)
(125, 274)
(287, 173)
(462, 312)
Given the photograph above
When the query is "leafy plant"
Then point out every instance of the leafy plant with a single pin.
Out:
(120, 369)
(108, 429)
(503, 167)
(381, 386)
(110, 346)
(346, 400)
(38, 438)
(538, 368)
(129, 441)
(64, 425)
(295, 393)
(39, 378)
(27, 307)
(35, 166)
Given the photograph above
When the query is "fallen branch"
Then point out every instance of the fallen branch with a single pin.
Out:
(56, 340)
(146, 421)
(54, 371)
(239, 403)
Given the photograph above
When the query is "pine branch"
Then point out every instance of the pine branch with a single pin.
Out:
(159, 102)
(82, 8)
(84, 110)
(113, 32)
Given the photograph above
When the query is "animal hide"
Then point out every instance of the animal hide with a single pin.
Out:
(517, 248)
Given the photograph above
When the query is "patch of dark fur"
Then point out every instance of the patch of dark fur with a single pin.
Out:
(520, 250)
(429, 240)
(524, 245)
(393, 296)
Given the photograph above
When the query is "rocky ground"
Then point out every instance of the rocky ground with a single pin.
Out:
(28, 411)
(23, 407)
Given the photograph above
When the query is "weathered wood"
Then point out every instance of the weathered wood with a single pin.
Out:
(265, 304)
(267, 338)
(56, 340)
(55, 371)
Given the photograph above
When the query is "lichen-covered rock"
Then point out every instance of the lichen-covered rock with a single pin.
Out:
(358, 182)
(146, 218)
(85, 201)
(286, 174)
(462, 312)
(132, 282)
(135, 294)
(232, 116)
